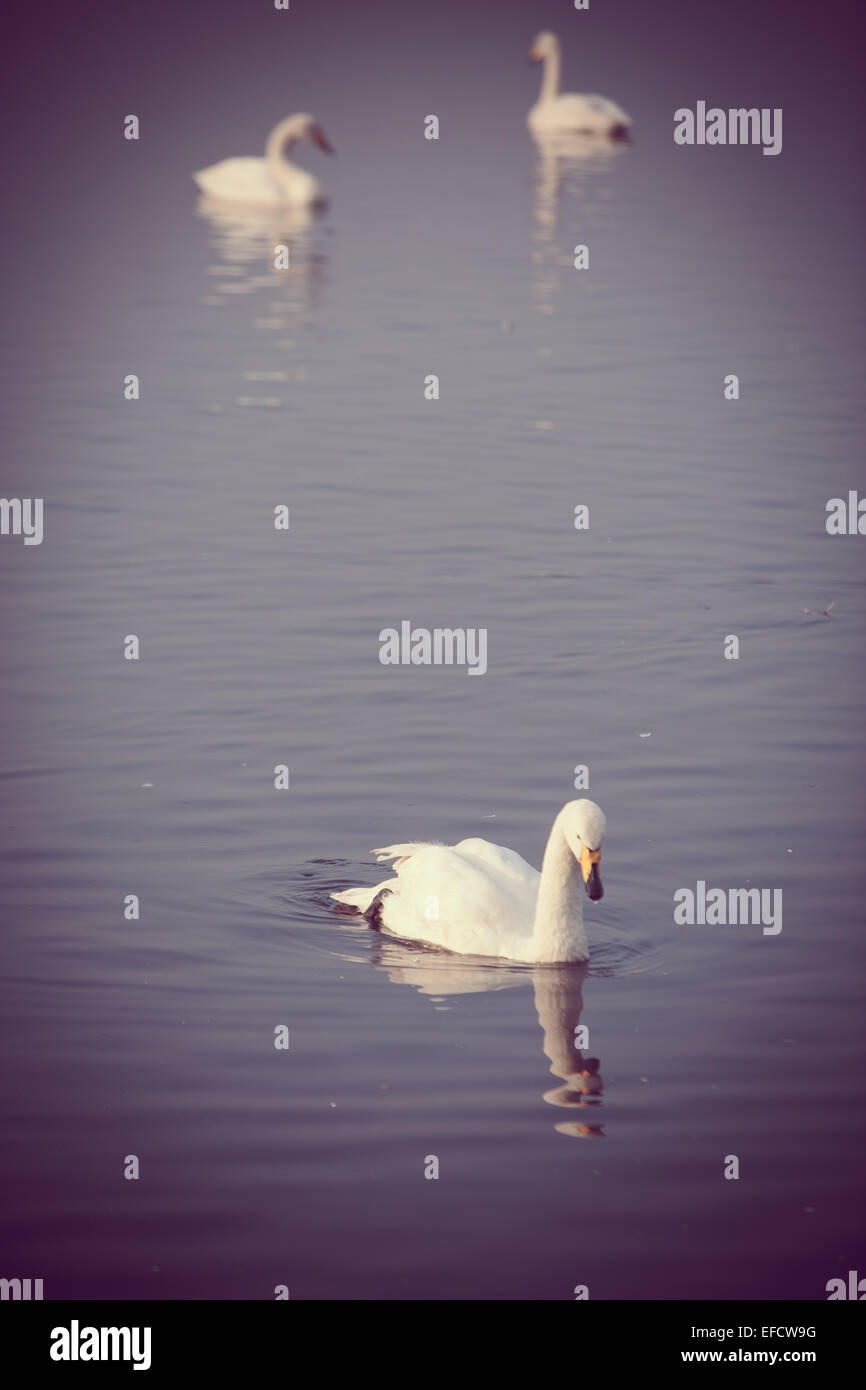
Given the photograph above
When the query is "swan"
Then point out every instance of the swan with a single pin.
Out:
(476, 898)
(273, 181)
(569, 111)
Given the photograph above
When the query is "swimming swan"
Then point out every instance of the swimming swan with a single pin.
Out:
(569, 111)
(476, 898)
(272, 181)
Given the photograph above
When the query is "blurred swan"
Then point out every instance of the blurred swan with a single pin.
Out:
(568, 110)
(476, 898)
(273, 181)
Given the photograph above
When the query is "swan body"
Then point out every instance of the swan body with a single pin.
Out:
(273, 181)
(568, 111)
(476, 898)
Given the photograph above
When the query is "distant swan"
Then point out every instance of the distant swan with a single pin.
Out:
(476, 898)
(569, 111)
(272, 181)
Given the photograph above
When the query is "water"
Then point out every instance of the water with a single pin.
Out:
(558, 388)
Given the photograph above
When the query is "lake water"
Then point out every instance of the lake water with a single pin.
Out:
(262, 1167)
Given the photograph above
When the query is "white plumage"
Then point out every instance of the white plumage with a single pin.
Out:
(273, 181)
(477, 898)
(569, 111)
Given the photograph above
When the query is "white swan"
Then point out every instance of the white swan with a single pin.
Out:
(476, 898)
(272, 181)
(569, 111)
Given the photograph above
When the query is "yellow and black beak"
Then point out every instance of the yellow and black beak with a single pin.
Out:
(589, 862)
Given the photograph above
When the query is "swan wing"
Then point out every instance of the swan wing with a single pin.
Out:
(573, 111)
(243, 180)
(499, 860)
(602, 107)
(403, 851)
(475, 898)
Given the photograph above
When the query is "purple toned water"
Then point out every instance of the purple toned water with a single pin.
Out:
(305, 1167)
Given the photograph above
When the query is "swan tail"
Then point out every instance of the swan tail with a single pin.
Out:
(362, 899)
(374, 911)
(367, 902)
(359, 898)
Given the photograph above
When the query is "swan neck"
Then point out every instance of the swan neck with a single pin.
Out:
(279, 142)
(558, 933)
(550, 76)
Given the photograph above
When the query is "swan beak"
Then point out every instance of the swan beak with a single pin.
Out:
(589, 861)
(322, 141)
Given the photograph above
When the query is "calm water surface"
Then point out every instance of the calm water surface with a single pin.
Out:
(558, 388)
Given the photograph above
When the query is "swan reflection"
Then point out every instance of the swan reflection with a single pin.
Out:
(558, 1004)
(567, 165)
(243, 249)
(244, 240)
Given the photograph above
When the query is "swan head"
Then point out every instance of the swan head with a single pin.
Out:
(584, 827)
(302, 126)
(544, 45)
